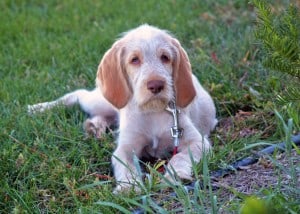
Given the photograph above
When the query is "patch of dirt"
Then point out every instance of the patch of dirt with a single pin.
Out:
(264, 174)
(246, 124)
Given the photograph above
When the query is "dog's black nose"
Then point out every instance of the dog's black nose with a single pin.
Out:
(155, 86)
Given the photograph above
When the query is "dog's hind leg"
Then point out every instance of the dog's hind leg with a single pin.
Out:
(68, 100)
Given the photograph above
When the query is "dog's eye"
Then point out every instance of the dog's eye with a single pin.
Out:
(135, 60)
(164, 58)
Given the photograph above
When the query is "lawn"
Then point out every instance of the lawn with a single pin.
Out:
(49, 48)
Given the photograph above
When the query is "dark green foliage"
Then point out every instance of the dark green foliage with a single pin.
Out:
(280, 39)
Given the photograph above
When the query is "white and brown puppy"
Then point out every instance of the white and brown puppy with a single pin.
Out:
(137, 78)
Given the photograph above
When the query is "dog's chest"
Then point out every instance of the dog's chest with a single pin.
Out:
(158, 136)
(151, 131)
(158, 147)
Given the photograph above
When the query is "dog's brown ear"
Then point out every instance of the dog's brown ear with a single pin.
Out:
(111, 77)
(183, 83)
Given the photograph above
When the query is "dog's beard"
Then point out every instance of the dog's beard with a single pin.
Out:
(154, 104)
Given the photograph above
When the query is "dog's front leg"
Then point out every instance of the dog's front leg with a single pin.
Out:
(180, 164)
(125, 170)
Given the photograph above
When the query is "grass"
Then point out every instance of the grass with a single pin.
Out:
(51, 48)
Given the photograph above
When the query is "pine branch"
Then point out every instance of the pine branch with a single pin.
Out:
(290, 95)
(280, 37)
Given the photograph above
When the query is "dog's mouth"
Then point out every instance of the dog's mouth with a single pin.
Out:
(154, 104)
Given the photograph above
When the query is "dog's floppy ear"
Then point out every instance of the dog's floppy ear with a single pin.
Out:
(183, 83)
(111, 77)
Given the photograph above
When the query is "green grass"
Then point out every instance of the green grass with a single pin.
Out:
(53, 47)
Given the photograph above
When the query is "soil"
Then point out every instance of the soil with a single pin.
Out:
(281, 172)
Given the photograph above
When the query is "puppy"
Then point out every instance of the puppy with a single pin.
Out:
(145, 84)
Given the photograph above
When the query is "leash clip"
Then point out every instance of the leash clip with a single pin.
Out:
(176, 131)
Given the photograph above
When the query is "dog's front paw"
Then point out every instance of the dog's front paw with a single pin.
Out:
(126, 188)
(184, 175)
(176, 175)
(169, 178)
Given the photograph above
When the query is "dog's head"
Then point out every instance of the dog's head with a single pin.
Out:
(149, 66)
